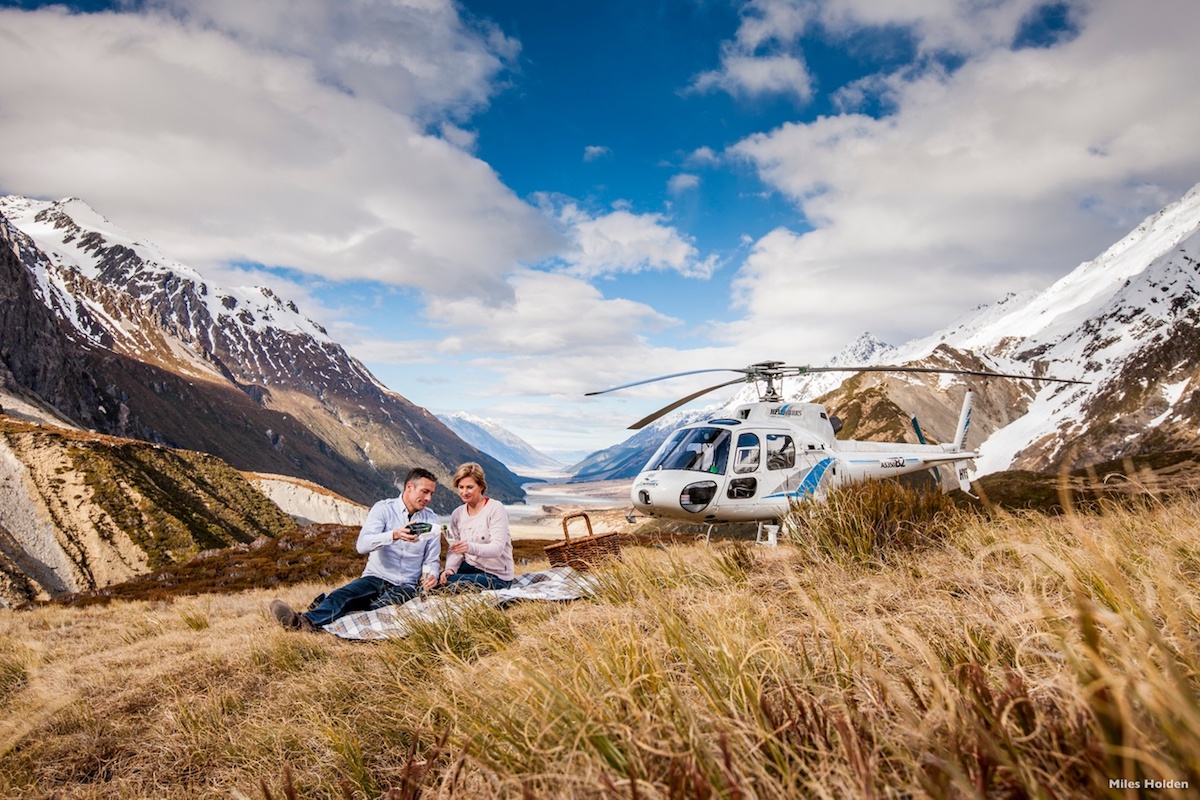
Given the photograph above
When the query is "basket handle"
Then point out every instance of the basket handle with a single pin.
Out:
(576, 515)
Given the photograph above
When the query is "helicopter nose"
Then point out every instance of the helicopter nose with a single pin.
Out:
(677, 495)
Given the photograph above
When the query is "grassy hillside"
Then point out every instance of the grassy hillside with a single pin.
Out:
(82, 509)
(1017, 655)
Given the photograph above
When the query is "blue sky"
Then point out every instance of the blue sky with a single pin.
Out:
(499, 206)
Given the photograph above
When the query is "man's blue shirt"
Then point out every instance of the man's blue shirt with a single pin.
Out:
(398, 561)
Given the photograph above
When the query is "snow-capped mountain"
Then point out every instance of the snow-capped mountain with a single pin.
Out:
(502, 444)
(114, 335)
(624, 460)
(1128, 322)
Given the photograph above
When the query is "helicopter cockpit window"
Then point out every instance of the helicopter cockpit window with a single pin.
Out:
(748, 454)
(695, 449)
(781, 451)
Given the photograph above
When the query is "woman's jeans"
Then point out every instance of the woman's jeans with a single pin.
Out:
(468, 575)
(360, 594)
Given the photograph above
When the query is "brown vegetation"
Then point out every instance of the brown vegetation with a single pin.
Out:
(1011, 655)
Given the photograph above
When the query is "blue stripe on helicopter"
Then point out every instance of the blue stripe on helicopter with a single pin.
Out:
(811, 480)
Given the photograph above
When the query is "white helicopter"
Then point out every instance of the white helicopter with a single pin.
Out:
(751, 465)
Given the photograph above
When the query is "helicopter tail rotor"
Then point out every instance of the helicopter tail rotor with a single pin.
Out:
(964, 422)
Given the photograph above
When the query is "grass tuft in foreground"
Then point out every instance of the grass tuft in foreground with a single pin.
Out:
(872, 522)
(1014, 656)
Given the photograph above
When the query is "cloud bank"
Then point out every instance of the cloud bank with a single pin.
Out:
(283, 133)
(997, 173)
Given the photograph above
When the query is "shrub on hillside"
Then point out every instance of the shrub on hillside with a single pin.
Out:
(870, 522)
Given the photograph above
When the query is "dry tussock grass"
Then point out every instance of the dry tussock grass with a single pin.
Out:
(1013, 656)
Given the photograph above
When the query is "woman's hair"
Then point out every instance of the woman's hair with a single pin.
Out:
(470, 470)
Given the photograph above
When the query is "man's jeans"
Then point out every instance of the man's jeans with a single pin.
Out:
(468, 575)
(360, 594)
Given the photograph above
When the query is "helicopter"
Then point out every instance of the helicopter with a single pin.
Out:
(753, 464)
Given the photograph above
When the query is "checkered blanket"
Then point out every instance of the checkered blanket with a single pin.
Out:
(559, 583)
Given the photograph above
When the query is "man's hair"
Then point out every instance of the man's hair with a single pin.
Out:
(417, 473)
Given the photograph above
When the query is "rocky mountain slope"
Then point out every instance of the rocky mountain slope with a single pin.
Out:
(1128, 322)
(504, 445)
(306, 502)
(80, 510)
(114, 336)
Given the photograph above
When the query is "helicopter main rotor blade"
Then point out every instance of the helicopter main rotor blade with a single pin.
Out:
(936, 370)
(666, 377)
(644, 421)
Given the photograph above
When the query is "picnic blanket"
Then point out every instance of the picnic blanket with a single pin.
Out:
(558, 583)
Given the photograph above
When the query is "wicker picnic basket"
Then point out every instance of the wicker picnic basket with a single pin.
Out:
(583, 553)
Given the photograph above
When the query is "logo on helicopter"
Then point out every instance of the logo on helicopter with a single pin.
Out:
(896, 462)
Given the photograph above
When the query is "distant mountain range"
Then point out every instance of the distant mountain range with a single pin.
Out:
(1128, 322)
(101, 330)
(504, 445)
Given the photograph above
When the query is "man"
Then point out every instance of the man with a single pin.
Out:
(395, 558)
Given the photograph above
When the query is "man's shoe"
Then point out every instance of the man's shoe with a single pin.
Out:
(286, 616)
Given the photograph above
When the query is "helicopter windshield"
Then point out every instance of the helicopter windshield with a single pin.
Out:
(695, 449)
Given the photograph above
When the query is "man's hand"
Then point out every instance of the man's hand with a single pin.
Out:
(430, 582)
(404, 534)
(412, 532)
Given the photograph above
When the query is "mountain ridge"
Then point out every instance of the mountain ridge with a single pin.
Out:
(149, 350)
(504, 445)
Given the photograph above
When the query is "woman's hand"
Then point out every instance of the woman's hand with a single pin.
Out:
(459, 547)
(445, 576)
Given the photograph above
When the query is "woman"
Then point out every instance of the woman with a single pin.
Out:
(480, 544)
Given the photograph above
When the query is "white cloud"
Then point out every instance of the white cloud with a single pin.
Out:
(621, 241)
(550, 313)
(683, 182)
(764, 58)
(594, 151)
(960, 27)
(752, 75)
(417, 57)
(461, 138)
(999, 176)
(232, 142)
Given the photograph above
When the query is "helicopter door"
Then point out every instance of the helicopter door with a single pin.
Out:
(747, 457)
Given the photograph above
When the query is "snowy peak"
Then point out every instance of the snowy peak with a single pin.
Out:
(503, 445)
(118, 337)
(1120, 322)
(124, 294)
(1047, 318)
